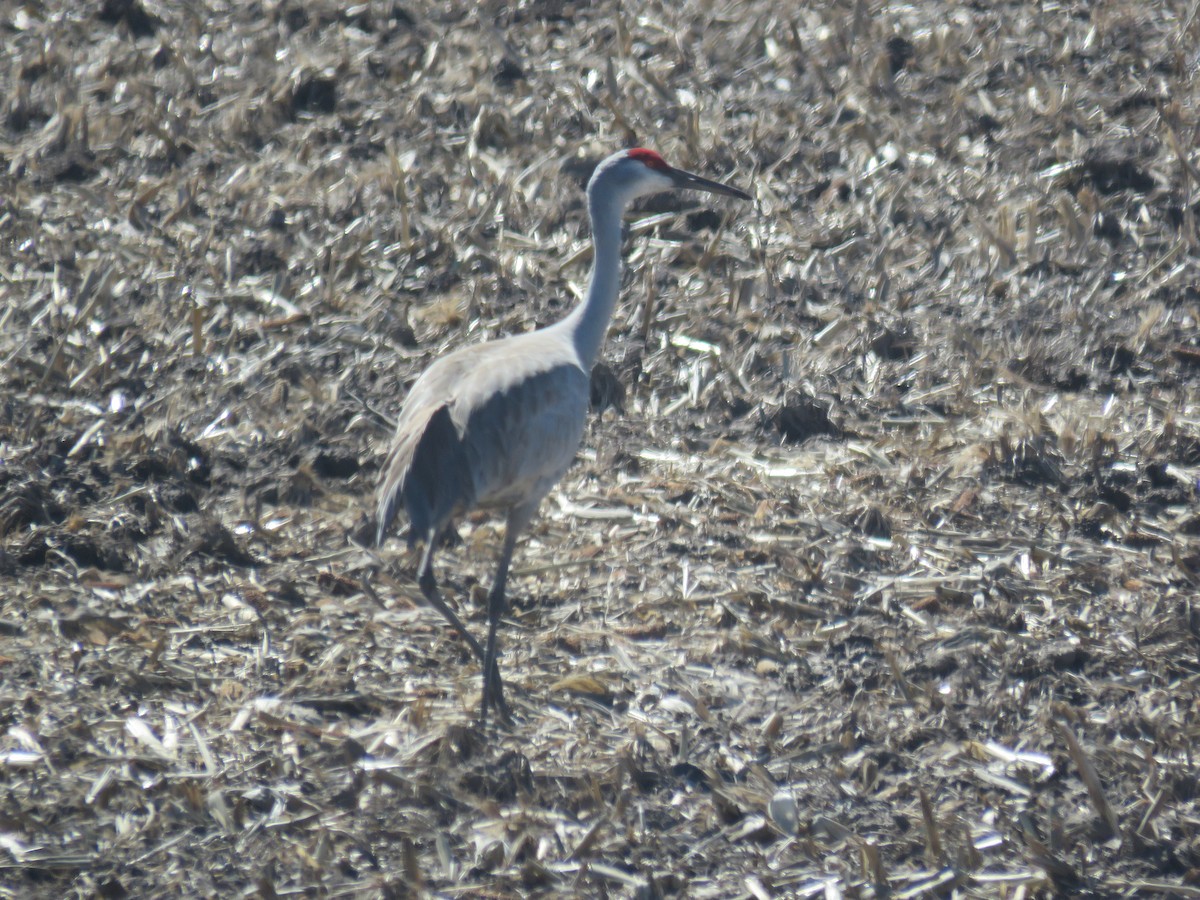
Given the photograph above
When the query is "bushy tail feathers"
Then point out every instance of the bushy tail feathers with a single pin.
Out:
(425, 473)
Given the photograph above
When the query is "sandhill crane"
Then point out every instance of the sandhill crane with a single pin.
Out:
(497, 424)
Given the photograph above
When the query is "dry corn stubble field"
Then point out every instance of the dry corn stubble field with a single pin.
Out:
(880, 582)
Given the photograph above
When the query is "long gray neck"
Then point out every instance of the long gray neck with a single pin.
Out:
(587, 324)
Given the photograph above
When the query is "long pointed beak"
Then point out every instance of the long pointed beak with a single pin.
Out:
(692, 182)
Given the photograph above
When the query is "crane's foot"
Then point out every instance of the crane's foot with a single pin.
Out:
(493, 697)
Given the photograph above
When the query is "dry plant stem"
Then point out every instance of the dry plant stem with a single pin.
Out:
(933, 840)
(1091, 778)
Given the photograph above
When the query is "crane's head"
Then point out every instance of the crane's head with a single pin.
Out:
(628, 174)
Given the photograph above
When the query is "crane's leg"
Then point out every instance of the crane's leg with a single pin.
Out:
(517, 520)
(429, 588)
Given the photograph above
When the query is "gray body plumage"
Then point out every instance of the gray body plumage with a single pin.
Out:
(490, 426)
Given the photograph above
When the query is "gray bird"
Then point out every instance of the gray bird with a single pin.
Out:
(496, 425)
